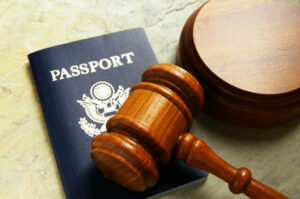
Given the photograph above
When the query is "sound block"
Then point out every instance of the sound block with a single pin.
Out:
(246, 54)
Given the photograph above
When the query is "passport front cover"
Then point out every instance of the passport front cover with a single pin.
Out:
(81, 85)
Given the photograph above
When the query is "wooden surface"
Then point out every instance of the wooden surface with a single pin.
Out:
(252, 45)
(196, 153)
(148, 127)
(151, 119)
(27, 164)
(246, 54)
(124, 161)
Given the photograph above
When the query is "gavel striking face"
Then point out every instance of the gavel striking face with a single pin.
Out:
(151, 123)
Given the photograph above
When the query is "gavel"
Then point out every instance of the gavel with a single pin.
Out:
(152, 123)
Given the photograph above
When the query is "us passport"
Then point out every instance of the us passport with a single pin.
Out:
(81, 85)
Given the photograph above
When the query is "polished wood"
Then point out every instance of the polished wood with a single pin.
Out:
(196, 153)
(149, 126)
(246, 56)
(124, 161)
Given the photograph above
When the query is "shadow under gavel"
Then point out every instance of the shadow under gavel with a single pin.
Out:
(151, 123)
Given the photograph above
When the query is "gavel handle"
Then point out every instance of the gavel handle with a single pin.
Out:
(197, 154)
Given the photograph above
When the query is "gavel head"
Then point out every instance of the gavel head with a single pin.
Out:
(144, 131)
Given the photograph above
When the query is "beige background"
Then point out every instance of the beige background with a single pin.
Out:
(27, 164)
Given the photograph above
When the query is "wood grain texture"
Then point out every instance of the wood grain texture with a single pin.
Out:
(246, 55)
(153, 117)
(149, 126)
(196, 153)
(120, 154)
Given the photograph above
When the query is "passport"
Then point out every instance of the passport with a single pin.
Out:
(81, 85)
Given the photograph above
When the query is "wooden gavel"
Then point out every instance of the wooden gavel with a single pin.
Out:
(153, 122)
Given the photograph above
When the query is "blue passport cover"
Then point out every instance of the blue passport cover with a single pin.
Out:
(80, 85)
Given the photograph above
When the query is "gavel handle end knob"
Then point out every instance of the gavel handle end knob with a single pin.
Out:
(196, 153)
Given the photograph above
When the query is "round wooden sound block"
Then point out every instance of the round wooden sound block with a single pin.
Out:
(246, 54)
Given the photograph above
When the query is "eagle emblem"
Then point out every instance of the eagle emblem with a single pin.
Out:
(103, 104)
